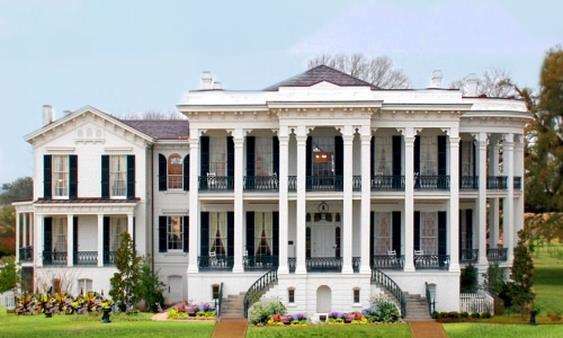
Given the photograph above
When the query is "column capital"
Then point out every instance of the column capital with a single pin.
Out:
(238, 134)
(408, 132)
(365, 131)
(454, 141)
(283, 133)
(301, 133)
(452, 132)
(508, 140)
(481, 138)
(347, 130)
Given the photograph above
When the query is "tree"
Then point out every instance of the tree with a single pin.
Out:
(377, 70)
(522, 273)
(493, 82)
(124, 282)
(19, 189)
(150, 288)
(9, 276)
(7, 231)
(154, 115)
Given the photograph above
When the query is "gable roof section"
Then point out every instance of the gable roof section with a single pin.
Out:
(162, 129)
(319, 74)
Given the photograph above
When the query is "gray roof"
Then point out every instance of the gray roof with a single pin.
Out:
(162, 129)
(319, 74)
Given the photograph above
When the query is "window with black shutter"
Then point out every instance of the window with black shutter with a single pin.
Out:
(130, 176)
(187, 172)
(417, 230)
(73, 176)
(47, 193)
(250, 233)
(105, 176)
(230, 234)
(186, 234)
(204, 229)
(396, 239)
(162, 233)
(162, 174)
(442, 232)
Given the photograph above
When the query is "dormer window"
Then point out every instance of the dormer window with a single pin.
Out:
(60, 181)
(118, 175)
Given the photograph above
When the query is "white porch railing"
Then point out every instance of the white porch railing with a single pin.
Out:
(8, 300)
(480, 302)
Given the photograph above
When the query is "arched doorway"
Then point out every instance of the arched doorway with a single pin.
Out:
(324, 299)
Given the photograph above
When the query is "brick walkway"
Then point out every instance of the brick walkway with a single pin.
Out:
(427, 330)
(230, 328)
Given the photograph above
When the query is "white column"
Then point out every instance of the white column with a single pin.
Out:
(347, 199)
(100, 240)
(301, 207)
(69, 240)
(194, 202)
(494, 202)
(130, 226)
(482, 200)
(283, 138)
(18, 230)
(408, 136)
(365, 140)
(24, 230)
(238, 139)
(519, 171)
(508, 202)
(38, 250)
(453, 212)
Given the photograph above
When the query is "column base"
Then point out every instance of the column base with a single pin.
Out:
(238, 269)
(283, 270)
(347, 269)
(300, 270)
(454, 267)
(365, 269)
(193, 268)
(409, 268)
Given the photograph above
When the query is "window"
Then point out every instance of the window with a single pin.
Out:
(467, 158)
(59, 234)
(263, 156)
(356, 294)
(118, 225)
(175, 233)
(85, 285)
(215, 291)
(217, 156)
(428, 155)
(60, 175)
(383, 155)
(429, 232)
(291, 295)
(118, 175)
(263, 233)
(323, 151)
(382, 236)
(175, 172)
(218, 233)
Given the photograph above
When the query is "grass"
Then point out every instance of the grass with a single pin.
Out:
(136, 326)
(548, 287)
(463, 330)
(332, 331)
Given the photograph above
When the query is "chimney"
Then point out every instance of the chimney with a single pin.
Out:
(471, 85)
(436, 79)
(206, 81)
(47, 114)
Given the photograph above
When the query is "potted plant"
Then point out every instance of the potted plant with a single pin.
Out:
(106, 310)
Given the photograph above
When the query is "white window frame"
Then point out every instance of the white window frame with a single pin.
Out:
(432, 219)
(175, 177)
(114, 193)
(169, 233)
(264, 165)
(263, 219)
(56, 173)
(118, 226)
(59, 235)
(377, 222)
(83, 284)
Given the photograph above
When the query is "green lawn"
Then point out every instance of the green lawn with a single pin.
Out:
(548, 262)
(89, 326)
(471, 330)
(332, 331)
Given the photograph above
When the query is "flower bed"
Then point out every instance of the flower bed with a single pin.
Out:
(335, 317)
(187, 311)
(49, 304)
(289, 319)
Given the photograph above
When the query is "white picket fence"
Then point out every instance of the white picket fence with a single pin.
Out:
(480, 302)
(8, 300)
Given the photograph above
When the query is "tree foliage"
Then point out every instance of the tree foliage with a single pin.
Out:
(124, 282)
(9, 276)
(378, 70)
(18, 190)
(150, 288)
(494, 82)
(7, 231)
(522, 272)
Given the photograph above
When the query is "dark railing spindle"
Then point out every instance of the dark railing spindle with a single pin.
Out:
(218, 263)
(497, 254)
(387, 262)
(469, 182)
(469, 255)
(261, 183)
(432, 182)
(441, 262)
(292, 183)
(497, 182)
(86, 258)
(357, 183)
(54, 257)
(257, 263)
(518, 182)
(324, 183)
(388, 183)
(26, 254)
(259, 287)
(216, 183)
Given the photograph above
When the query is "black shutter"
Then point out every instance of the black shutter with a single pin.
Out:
(75, 236)
(73, 176)
(162, 174)
(48, 234)
(276, 233)
(186, 233)
(309, 162)
(204, 148)
(442, 232)
(276, 155)
(162, 233)
(417, 230)
(187, 172)
(459, 160)
(250, 232)
(130, 176)
(106, 237)
(134, 233)
(204, 239)
(460, 235)
(397, 145)
(250, 157)
(397, 232)
(338, 156)
(230, 156)
(417, 154)
(474, 158)
(47, 179)
(371, 233)
(372, 156)
(230, 234)
(469, 229)
(442, 139)
(105, 176)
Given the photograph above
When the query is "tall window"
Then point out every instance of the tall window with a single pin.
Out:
(467, 158)
(175, 172)
(59, 234)
(85, 285)
(383, 155)
(428, 155)
(323, 155)
(60, 175)
(217, 156)
(175, 233)
(118, 175)
(382, 236)
(429, 232)
(263, 233)
(263, 156)
(118, 225)
(218, 233)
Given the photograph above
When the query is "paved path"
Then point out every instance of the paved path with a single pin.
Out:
(427, 330)
(230, 328)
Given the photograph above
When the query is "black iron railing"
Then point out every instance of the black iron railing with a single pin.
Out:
(216, 183)
(261, 183)
(324, 264)
(378, 277)
(356, 264)
(218, 263)
(26, 254)
(357, 183)
(430, 300)
(256, 263)
(219, 301)
(441, 262)
(497, 254)
(387, 262)
(109, 257)
(432, 182)
(291, 183)
(54, 257)
(86, 258)
(291, 264)
(388, 183)
(259, 288)
(469, 182)
(468, 255)
(517, 182)
(324, 183)
(497, 182)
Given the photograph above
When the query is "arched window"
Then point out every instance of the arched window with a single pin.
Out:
(175, 171)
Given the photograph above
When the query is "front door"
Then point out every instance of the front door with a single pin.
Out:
(175, 289)
(323, 239)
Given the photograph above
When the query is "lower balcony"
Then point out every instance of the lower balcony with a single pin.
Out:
(324, 183)
(215, 263)
(517, 183)
(26, 254)
(497, 182)
(216, 183)
(57, 258)
(434, 262)
(109, 257)
(432, 182)
(86, 258)
(388, 183)
(468, 255)
(469, 183)
(260, 263)
(324, 264)
(497, 254)
(261, 183)
(387, 262)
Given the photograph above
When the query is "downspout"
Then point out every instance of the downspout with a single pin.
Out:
(152, 205)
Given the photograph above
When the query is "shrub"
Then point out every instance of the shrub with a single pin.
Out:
(382, 310)
(124, 283)
(28, 304)
(494, 279)
(261, 312)
(150, 289)
(468, 279)
(486, 315)
(9, 276)
(522, 272)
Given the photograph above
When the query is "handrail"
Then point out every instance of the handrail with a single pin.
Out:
(219, 301)
(431, 303)
(380, 278)
(258, 288)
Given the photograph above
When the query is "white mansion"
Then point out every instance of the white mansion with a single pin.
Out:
(322, 187)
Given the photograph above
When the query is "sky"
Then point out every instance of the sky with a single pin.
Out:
(133, 56)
